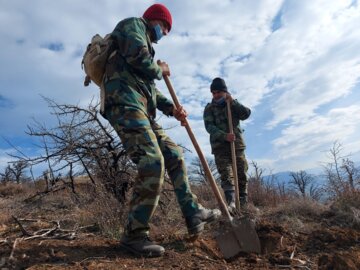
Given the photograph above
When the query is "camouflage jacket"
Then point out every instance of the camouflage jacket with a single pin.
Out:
(216, 124)
(132, 68)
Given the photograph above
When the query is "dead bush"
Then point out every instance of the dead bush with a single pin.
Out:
(345, 210)
(347, 201)
(296, 212)
(104, 211)
(263, 196)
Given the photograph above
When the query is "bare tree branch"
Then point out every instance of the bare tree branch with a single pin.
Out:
(81, 143)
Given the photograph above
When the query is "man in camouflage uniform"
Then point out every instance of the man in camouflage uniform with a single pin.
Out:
(131, 100)
(216, 123)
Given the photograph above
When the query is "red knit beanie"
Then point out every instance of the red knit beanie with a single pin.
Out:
(158, 12)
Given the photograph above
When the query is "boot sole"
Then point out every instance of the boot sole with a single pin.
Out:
(141, 254)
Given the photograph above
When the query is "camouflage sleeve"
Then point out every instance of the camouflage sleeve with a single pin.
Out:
(132, 42)
(164, 104)
(210, 126)
(240, 110)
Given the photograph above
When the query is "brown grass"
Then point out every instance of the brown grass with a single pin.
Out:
(168, 218)
(104, 211)
(347, 201)
(99, 207)
(5, 214)
(295, 213)
(345, 210)
(264, 196)
(14, 189)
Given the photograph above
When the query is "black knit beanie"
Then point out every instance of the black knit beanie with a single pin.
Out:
(218, 84)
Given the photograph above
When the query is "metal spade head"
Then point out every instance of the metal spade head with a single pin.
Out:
(239, 236)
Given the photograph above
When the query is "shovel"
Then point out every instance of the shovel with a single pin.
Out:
(240, 235)
(233, 157)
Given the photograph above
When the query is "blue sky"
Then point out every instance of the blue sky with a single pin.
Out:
(296, 64)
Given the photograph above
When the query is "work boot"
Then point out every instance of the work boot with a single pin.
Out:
(229, 196)
(196, 223)
(243, 201)
(141, 246)
(230, 200)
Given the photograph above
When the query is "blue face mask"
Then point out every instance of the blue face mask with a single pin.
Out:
(219, 101)
(158, 32)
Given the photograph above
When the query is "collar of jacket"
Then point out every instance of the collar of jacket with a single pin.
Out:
(148, 35)
(214, 103)
(148, 28)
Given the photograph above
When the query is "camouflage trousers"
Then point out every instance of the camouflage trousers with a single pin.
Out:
(223, 163)
(152, 151)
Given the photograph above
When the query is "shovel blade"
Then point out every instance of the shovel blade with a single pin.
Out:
(241, 236)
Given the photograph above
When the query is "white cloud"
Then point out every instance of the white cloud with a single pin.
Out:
(311, 136)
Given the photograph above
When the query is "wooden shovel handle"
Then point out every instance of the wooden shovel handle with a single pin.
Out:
(204, 163)
(233, 156)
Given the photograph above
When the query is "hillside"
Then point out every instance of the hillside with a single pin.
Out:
(67, 231)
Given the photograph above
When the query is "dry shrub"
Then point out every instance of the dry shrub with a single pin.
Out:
(264, 194)
(347, 200)
(104, 211)
(296, 212)
(345, 210)
(302, 207)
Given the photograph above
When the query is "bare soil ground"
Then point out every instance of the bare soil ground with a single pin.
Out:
(317, 241)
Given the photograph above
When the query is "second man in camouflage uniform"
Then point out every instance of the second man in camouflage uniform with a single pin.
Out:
(216, 124)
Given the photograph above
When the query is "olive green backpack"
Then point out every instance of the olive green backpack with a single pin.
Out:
(94, 62)
(95, 57)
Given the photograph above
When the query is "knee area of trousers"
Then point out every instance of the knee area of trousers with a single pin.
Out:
(154, 164)
(175, 160)
(176, 164)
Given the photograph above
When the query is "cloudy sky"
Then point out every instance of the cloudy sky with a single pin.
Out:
(296, 64)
